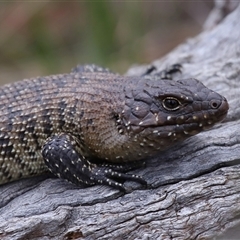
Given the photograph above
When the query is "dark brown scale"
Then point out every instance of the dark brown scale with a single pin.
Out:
(72, 123)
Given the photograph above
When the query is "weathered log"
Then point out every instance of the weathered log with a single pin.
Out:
(194, 190)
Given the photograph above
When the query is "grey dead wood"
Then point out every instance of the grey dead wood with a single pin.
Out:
(194, 190)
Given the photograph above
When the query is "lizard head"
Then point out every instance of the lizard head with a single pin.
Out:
(158, 114)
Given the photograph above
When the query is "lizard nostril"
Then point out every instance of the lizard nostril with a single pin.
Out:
(214, 104)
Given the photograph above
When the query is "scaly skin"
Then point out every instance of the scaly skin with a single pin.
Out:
(74, 124)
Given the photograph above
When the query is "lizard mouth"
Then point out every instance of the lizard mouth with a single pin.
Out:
(218, 115)
(208, 119)
(192, 124)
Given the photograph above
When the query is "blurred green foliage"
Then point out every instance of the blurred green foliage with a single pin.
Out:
(39, 38)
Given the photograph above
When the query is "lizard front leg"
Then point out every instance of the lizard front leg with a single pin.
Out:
(64, 161)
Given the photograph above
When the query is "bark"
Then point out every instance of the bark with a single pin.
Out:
(194, 188)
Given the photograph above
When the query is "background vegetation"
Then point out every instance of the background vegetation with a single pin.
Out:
(48, 37)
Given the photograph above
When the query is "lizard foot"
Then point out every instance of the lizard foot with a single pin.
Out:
(166, 73)
(107, 176)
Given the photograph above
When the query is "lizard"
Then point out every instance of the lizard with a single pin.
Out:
(92, 126)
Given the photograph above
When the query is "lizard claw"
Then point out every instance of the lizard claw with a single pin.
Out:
(106, 176)
(166, 73)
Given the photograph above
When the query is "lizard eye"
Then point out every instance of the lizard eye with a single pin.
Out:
(171, 104)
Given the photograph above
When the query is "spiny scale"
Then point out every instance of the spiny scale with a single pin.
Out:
(75, 124)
